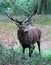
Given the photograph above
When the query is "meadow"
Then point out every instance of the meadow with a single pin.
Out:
(11, 50)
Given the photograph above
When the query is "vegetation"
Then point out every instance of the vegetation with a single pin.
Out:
(42, 19)
(24, 6)
(14, 56)
(21, 9)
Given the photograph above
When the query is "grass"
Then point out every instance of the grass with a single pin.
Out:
(43, 19)
(14, 56)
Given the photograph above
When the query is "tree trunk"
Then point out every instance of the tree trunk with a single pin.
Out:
(40, 5)
(45, 7)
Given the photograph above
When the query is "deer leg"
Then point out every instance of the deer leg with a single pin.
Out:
(38, 43)
(23, 52)
(31, 50)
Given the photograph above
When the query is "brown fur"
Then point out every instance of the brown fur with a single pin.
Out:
(27, 37)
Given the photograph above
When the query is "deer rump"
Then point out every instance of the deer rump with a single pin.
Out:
(27, 37)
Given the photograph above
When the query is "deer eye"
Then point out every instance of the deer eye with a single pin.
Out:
(26, 31)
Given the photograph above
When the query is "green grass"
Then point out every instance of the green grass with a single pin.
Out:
(14, 56)
(44, 20)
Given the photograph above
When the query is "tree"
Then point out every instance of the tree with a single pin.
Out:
(40, 5)
(45, 7)
(25, 7)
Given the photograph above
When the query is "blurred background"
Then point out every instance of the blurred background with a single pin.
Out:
(10, 48)
(24, 6)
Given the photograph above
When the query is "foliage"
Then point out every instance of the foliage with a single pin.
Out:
(8, 55)
(17, 6)
(14, 56)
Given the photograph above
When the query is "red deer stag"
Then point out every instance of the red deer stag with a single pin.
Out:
(27, 37)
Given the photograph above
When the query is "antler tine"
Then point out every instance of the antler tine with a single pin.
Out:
(10, 16)
(34, 12)
(28, 18)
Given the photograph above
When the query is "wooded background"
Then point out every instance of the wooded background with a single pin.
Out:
(25, 7)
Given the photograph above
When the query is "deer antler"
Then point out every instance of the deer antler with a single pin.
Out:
(35, 11)
(28, 18)
(10, 16)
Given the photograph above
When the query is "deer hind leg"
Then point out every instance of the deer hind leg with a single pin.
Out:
(38, 43)
(30, 52)
(23, 50)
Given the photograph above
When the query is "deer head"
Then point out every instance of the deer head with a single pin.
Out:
(21, 25)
